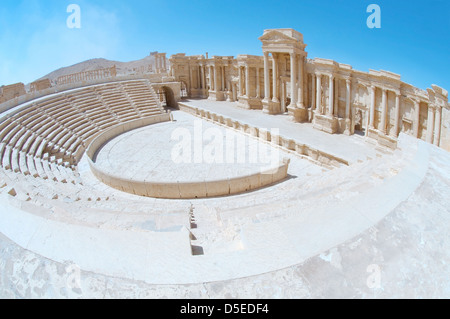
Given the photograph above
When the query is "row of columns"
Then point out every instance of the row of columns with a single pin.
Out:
(297, 79)
(333, 91)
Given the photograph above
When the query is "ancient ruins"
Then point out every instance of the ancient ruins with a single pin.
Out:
(272, 176)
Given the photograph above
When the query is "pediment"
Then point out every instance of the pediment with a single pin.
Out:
(275, 36)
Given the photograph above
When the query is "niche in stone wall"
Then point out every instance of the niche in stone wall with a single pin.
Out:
(423, 120)
(407, 115)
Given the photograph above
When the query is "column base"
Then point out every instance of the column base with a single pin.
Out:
(348, 129)
(296, 114)
(270, 107)
(325, 123)
(251, 103)
(216, 96)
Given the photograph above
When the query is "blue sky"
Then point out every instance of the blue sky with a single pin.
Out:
(413, 41)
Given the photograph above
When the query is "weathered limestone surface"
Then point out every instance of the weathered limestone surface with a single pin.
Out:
(363, 213)
(332, 95)
(413, 260)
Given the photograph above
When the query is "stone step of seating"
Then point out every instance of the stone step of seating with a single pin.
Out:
(29, 142)
(7, 134)
(39, 167)
(60, 176)
(5, 123)
(31, 166)
(15, 165)
(23, 164)
(28, 119)
(41, 151)
(107, 123)
(6, 159)
(74, 125)
(46, 123)
(58, 110)
(16, 137)
(88, 131)
(48, 170)
(2, 149)
(34, 147)
(23, 140)
(78, 154)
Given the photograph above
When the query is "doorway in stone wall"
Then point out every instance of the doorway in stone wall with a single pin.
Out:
(360, 122)
(167, 98)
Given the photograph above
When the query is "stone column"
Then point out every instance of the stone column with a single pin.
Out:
(191, 85)
(223, 78)
(266, 77)
(319, 93)
(372, 107)
(293, 81)
(336, 97)
(275, 79)
(240, 81)
(416, 118)
(211, 78)
(247, 81)
(437, 126)
(301, 82)
(383, 111)
(216, 79)
(258, 84)
(313, 92)
(430, 125)
(348, 99)
(396, 131)
(202, 77)
(331, 96)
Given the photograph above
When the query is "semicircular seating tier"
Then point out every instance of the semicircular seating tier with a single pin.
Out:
(47, 137)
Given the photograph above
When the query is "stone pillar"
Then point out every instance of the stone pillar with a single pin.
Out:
(258, 84)
(437, 126)
(383, 111)
(416, 118)
(331, 96)
(191, 85)
(397, 115)
(247, 81)
(301, 82)
(165, 64)
(275, 79)
(223, 79)
(216, 79)
(372, 107)
(266, 77)
(348, 99)
(336, 97)
(430, 125)
(319, 93)
(240, 82)
(293, 81)
(202, 77)
(211, 78)
(313, 92)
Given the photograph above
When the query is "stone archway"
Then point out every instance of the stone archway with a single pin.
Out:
(167, 97)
